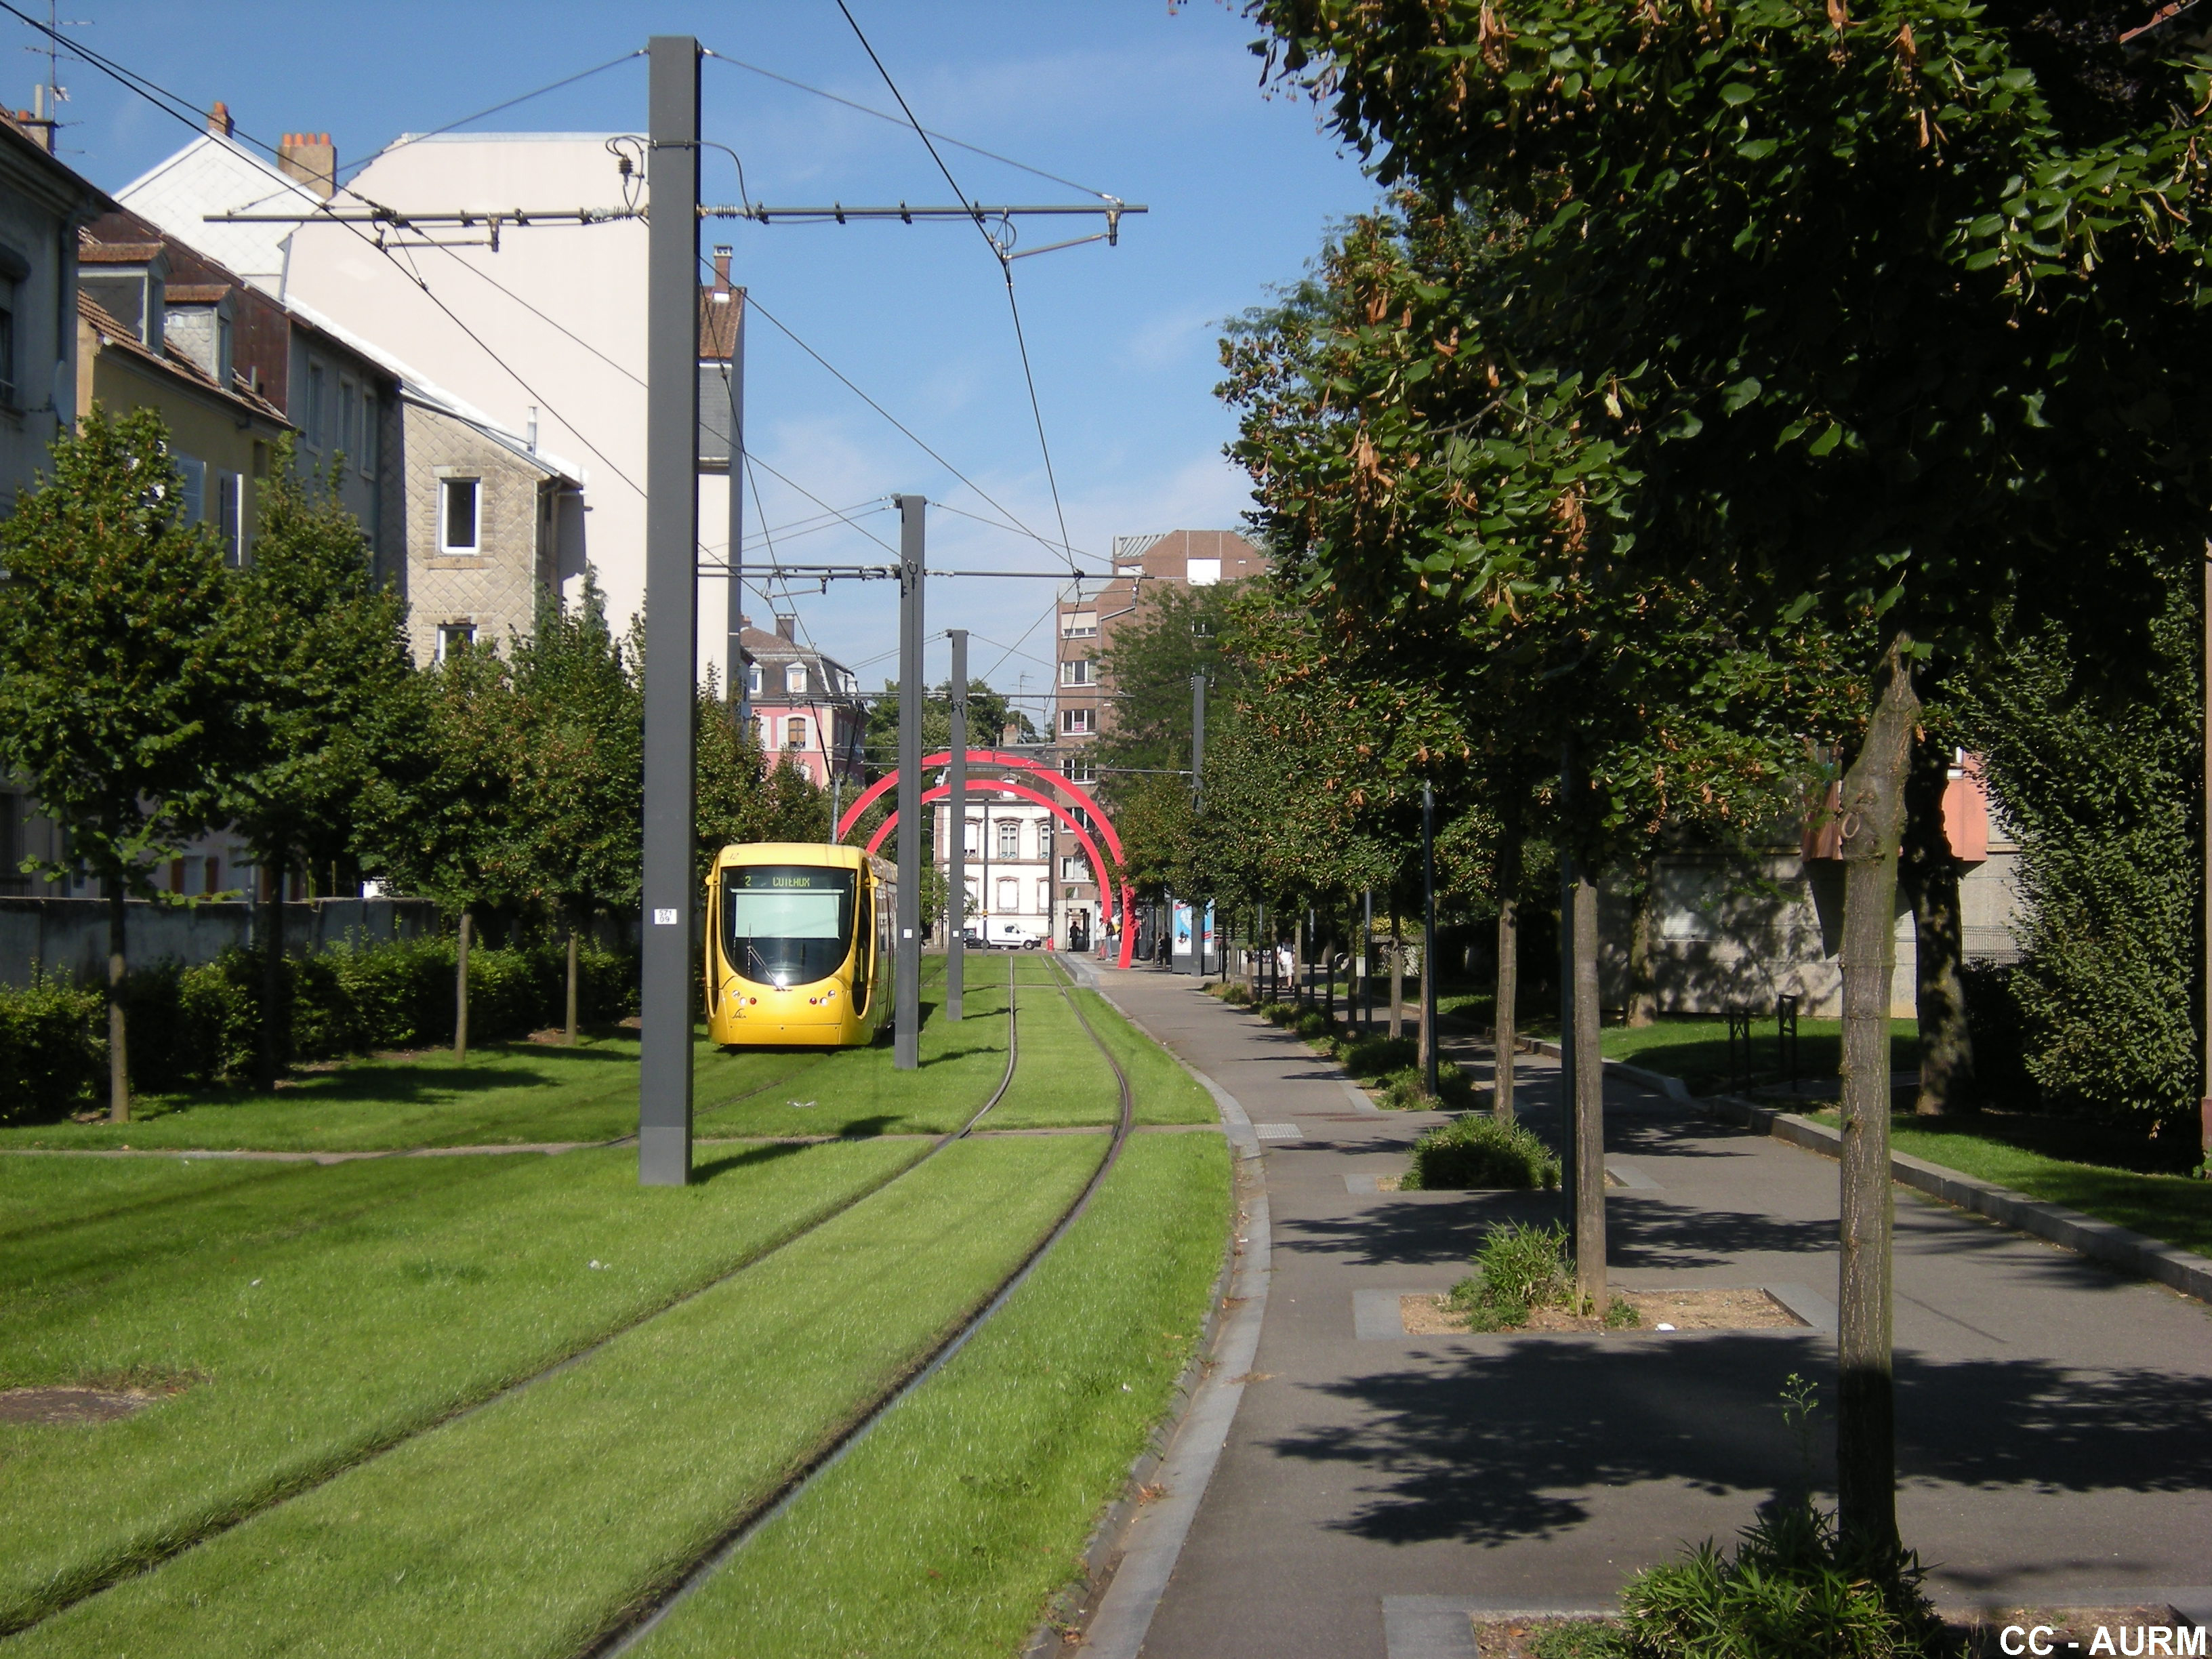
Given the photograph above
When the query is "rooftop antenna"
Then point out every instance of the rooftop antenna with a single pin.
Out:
(50, 94)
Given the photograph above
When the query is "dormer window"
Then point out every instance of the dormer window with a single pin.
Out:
(753, 678)
(795, 679)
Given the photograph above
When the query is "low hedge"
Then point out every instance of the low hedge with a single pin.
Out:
(191, 1027)
(1480, 1152)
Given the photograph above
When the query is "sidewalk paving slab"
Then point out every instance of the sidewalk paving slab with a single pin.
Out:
(2051, 1412)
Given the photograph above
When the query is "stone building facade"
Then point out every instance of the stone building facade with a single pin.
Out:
(486, 516)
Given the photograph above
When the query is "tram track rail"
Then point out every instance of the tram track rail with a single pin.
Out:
(640, 1624)
(152, 1559)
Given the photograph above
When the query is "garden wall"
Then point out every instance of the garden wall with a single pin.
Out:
(67, 938)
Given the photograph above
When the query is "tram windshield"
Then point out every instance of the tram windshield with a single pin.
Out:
(787, 924)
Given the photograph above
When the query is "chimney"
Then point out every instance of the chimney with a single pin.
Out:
(1011, 736)
(312, 159)
(721, 272)
(219, 119)
(787, 628)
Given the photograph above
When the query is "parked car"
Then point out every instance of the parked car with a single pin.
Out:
(1006, 935)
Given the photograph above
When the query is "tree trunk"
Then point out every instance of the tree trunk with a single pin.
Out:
(1297, 960)
(1588, 1106)
(461, 992)
(1930, 875)
(1641, 1007)
(1397, 976)
(1873, 807)
(572, 984)
(1322, 948)
(1508, 970)
(271, 895)
(118, 1048)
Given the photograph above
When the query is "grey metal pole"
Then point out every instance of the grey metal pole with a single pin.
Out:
(1429, 939)
(672, 579)
(734, 652)
(956, 819)
(907, 1001)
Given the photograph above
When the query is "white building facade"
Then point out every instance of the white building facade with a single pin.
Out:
(536, 329)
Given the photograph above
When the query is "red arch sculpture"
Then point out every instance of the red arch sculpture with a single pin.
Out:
(1124, 903)
(1001, 786)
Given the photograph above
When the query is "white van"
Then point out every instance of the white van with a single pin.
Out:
(1005, 934)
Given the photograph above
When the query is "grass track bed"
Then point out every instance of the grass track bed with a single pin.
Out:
(946, 1530)
(527, 1528)
(1063, 1081)
(1164, 1091)
(391, 1293)
(858, 1091)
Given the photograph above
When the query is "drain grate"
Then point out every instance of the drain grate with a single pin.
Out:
(1279, 1132)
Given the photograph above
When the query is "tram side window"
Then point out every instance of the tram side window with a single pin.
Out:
(864, 941)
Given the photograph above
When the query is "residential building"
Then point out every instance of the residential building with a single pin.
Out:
(474, 311)
(1091, 617)
(807, 706)
(43, 205)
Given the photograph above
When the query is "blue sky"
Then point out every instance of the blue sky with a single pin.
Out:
(1153, 105)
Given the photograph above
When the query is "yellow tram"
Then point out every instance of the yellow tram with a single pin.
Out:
(799, 944)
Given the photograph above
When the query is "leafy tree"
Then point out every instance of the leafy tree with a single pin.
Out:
(580, 758)
(323, 667)
(989, 713)
(2101, 778)
(1889, 314)
(117, 675)
(742, 795)
(442, 820)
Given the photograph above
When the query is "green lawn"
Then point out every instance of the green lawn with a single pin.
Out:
(525, 1093)
(506, 1094)
(946, 1531)
(321, 1313)
(1696, 1050)
(528, 1526)
(2175, 1208)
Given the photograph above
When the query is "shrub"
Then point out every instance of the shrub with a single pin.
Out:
(53, 1048)
(1792, 1588)
(1278, 1013)
(1404, 1091)
(1237, 994)
(1311, 1024)
(1377, 1056)
(1480, 1151)
(191, 1027)
(1517, 1270)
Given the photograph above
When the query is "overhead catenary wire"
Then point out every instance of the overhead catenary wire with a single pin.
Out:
(178, 109)
(901, 121)
(1006, 269)
(1012, 522)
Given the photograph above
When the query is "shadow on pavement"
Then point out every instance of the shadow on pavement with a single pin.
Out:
(1508, 1444)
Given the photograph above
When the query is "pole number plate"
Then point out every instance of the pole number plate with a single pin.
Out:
(663, 918)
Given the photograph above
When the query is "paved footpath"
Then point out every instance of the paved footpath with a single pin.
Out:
(2055, 1421)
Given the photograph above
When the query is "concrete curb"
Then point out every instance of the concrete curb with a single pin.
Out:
(1673, 1087)
(2100, 1241)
